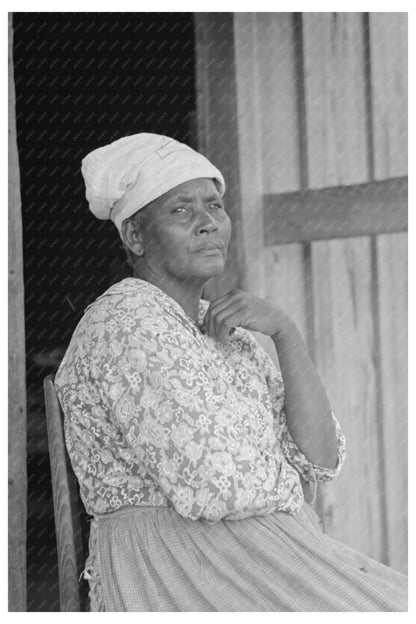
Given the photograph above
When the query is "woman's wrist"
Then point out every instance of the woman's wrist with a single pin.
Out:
(285, 327)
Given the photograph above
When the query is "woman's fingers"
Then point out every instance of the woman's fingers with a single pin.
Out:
(226, 321)
(222, 320)
(217, 315)
(216, 306)
(240, 309)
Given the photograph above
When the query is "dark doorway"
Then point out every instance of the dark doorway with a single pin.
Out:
(82, 80)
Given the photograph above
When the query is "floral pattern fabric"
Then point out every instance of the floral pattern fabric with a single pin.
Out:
(158, 413)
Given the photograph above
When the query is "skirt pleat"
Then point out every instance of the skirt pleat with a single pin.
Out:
(152, 559)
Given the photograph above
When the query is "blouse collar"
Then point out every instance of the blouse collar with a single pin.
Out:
(134, 285)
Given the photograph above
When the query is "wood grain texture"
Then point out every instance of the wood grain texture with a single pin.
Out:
(338, 212)
(275, 61)
(388, 54)
(250, 140)
(335, 92)
(342, 274)
(17, 488)
(345, 339)
(284, 273)
(217, 128)
(67, 506)
(388, 48)
(392, 271)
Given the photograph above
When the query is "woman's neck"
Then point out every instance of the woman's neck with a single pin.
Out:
(187, 294)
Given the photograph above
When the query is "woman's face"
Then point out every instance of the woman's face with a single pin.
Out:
(187, 234)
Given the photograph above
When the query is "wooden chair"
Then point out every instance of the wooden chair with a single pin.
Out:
(68, 509)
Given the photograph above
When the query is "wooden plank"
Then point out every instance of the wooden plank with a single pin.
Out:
(392, 271)
(250, 160)
(338, 212)
(345, 338)
(275, 58)
(17, 492)
(218, 137)
(304, 182)
(388, 53)
(336, 110)
(67, 506)
(335, 90)
(284, 272)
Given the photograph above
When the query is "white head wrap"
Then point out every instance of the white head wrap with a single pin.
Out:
(124, 176)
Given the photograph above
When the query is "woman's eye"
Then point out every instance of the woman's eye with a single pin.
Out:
(180, 209)
(217, 206)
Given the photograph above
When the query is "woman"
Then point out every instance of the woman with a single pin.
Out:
(193, 453)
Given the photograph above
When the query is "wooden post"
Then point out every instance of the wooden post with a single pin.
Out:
(17, 370)
(217, 122)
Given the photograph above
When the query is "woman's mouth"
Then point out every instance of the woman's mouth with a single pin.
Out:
(210, 248)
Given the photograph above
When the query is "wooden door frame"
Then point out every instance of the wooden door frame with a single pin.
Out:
(17, 491)
(217, 125)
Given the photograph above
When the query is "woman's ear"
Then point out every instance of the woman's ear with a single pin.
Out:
(133, 237)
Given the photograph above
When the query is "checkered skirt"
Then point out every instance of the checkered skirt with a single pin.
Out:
(153, 559)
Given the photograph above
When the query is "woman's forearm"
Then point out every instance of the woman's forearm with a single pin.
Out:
(308, 411)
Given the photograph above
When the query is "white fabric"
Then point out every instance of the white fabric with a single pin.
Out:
(126, 175)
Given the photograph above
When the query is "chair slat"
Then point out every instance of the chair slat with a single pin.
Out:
(67, 506)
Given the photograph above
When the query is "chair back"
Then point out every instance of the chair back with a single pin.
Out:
(67, 508)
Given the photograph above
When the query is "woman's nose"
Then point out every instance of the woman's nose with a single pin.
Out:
(206, 224)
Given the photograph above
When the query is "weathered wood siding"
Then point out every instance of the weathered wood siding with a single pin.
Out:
(388, 61)
(17, 492)
(321, 101)
(334, 53)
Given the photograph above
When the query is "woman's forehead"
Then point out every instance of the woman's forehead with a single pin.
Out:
(187, 190)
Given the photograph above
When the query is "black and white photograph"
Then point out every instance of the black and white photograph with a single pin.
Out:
(208, 311)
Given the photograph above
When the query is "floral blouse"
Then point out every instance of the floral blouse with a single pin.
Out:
(158, 413)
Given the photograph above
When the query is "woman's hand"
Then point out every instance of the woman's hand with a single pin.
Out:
(240, 309)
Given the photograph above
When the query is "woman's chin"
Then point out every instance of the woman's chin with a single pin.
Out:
(212, 269)
(200, 271)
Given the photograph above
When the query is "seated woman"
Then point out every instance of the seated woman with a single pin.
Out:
(190, 448)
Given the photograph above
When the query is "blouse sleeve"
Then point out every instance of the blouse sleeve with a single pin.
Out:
(310, 472)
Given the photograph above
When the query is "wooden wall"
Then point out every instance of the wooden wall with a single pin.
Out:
(321, 101)
(17, 491)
